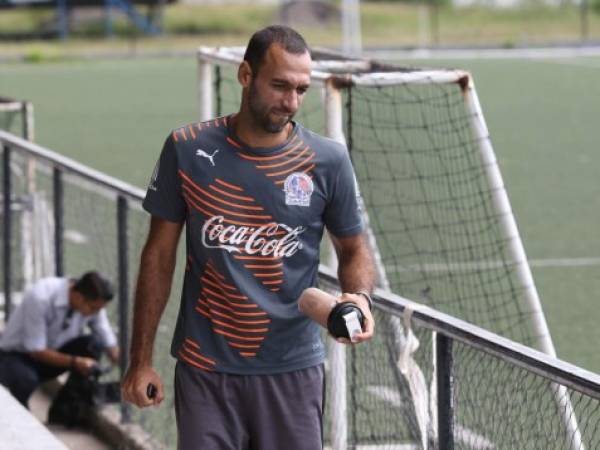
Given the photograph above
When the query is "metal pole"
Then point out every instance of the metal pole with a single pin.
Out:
(29, 130)
(445, 392)
(123, 267)
(516, 251)
(219, 102)
(7, 230)
(63, 20)
(352, 39)
(205, 89)
(435, 22)
(28, 133)
(29, 239)
(336, 352)
(334, 129)
(508, 225)
(58, 222)
(424, 24)
(333, 107)
(584, 8)
(108, 19)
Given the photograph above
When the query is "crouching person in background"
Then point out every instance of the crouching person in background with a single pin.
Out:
(47, 334)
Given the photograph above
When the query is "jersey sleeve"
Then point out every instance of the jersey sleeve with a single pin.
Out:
(163, 196)
(342, 214)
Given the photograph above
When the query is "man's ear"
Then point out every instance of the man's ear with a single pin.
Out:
(76, 298)
(245, 74)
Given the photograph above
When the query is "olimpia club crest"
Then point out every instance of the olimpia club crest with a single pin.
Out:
(298, 188)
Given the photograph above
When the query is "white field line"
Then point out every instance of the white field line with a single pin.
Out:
(571, 62)
(565, 262)
(472, 439)
(390, 395)
(490, 53)
(462, 434)
(491, 265)
(76, 237)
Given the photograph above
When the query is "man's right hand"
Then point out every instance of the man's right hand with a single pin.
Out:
(134, 386)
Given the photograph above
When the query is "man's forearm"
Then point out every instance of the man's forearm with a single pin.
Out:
(152, 294)
(53, 358)
(356, 269)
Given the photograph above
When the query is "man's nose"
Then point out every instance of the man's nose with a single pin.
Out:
(290, 100)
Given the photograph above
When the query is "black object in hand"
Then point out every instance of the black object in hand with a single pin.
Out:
(151, 391)
(336, 324)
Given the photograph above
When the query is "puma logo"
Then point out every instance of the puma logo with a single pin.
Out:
(202, 153)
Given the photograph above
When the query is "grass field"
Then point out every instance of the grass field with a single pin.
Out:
(542, 115)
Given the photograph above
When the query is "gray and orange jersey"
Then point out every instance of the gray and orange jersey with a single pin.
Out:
(254, 221)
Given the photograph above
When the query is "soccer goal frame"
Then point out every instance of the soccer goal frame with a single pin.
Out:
(332, 74)
(25, 109)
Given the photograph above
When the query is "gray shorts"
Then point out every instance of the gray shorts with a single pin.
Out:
(220, 411)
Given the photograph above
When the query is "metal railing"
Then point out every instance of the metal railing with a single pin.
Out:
(449, 331)
(62, 165)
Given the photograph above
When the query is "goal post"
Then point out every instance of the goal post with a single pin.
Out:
(440, 221)
(17, 116)
(517, 251)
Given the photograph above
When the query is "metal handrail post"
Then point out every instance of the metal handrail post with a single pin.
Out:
(445, 392)
(58, 203)
(6, 232)
(123, 277)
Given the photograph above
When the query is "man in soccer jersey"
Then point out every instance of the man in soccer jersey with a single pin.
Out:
(255, 191)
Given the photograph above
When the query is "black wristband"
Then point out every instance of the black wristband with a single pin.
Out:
(366, 295)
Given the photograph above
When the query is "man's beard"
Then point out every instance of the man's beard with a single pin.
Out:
(260, 113)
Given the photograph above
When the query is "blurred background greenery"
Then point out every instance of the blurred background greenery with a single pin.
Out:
(33, 31)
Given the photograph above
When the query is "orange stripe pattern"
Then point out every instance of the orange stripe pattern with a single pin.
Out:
(242, 324)
(190, 132)
(296, 157)
(190, 353)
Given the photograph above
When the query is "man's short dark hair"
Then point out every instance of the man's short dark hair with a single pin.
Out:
(289, 39)
(93, 285)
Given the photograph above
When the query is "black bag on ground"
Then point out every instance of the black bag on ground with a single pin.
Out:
(74, 402)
